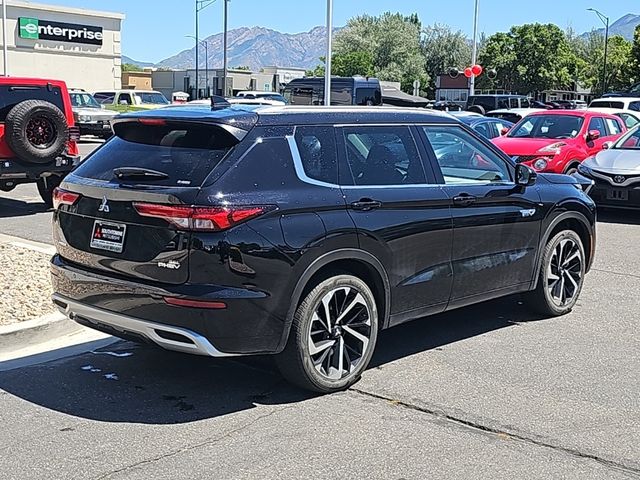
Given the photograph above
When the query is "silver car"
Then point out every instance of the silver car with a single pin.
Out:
(615, 172)
(91, 117)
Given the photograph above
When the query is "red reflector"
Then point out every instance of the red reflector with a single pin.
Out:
(64, 197)
(152, 121)
(213, 219)
(182, 302)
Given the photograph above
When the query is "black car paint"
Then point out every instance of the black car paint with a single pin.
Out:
(423, 253)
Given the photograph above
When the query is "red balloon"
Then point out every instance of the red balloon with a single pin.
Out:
(468, 72)
(476, 70)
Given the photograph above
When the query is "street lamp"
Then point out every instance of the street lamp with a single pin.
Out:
(605, 20)
(474, 50)
(327, 69)
(206, 60)
(200, 5)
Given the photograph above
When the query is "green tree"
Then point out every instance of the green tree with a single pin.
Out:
(391, 42)
(353, 63)
(530, 58)
(622, 69)
(635, 49)
(130, 67)
(443, 49)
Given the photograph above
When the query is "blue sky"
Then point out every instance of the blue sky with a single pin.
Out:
(156, 29)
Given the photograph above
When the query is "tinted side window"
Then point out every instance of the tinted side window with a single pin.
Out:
(368, 96)
(10, 96)
(383, 156)
(317, 148)
(488, 103)
(524, 103)
(465, 160)
(634, 106)
(513, 103)
(597, 123)
(125, 98)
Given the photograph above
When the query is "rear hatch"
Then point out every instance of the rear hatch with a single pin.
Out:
(128, 209)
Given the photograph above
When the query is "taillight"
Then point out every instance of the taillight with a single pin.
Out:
(204, 219)
(64, 197)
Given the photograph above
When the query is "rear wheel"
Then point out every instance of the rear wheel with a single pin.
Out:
(332, 337)
(561, 275)
(46, 185)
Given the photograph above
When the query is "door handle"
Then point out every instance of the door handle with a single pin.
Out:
(366, 204)
(464, 200)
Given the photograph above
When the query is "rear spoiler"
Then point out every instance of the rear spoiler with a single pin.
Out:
(121, 121)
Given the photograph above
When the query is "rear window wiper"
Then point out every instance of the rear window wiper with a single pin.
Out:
(123, 173)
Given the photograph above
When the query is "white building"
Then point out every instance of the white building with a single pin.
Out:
(81, 47)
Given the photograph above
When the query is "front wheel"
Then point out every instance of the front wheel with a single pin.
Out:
(561, 275)
(332, 337)
(46, 186)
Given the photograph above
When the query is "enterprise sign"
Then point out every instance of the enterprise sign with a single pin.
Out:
(36, 29)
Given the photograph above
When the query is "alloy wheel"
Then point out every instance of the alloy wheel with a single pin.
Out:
(564, 272)
(339, 333)
(41, 132)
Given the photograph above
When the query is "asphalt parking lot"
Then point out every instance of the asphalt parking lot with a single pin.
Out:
(490, 391)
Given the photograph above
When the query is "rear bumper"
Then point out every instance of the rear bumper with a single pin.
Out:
(171, 338)
(127, 308)
(13, 170)
(100, 129)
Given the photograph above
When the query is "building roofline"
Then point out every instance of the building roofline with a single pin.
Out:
(60, 9)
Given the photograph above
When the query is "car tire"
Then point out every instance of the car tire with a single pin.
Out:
(46, 186)
(477, 109)
(561, 275)
(572, 168)
(330, 356)
(36, 131)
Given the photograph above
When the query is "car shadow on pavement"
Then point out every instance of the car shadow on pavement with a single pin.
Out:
(10, 207)
(129, 383)
(609, 215)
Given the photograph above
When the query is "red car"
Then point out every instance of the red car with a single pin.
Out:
(557, 141)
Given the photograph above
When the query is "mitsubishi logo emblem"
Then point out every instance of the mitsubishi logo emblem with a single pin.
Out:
(619, 179)
(104, 206)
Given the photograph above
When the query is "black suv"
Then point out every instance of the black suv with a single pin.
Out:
(304, 231)
(486, 103)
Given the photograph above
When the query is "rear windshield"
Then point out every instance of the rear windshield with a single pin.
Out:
(606, 104)
(11, 95)
(186, 153)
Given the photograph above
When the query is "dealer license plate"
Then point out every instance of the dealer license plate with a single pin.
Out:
(618, 194)
(108, 236)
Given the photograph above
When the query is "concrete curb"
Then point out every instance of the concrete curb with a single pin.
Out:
(28, 244)
(20, 335)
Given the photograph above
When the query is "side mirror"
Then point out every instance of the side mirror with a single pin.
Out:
(607, 145)
(593, 135)
(123, 102)
(504, 131)
(525, 176)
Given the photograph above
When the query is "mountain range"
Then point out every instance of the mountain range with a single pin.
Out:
(258, 47)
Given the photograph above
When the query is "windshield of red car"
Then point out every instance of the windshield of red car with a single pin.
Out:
(548, 126)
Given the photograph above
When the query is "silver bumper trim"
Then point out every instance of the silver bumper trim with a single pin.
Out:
(199, 346)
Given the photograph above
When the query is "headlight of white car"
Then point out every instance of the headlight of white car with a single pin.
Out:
(84, 118)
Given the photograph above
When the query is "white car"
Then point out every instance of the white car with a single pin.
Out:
(255, 94)
(627, 108)
(513, 115)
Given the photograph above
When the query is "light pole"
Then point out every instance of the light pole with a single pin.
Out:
(225, 66)
(605, 20)
(474, 50)
(200, 5)
(206, 60)
(327, 69)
